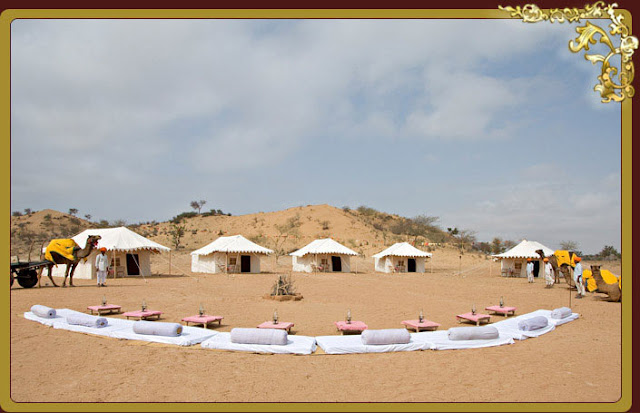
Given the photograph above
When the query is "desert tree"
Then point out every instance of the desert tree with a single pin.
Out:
(73, 211)
(87, 217)
(284, 232)
(176, 232)
(198, 204)
(568, 245)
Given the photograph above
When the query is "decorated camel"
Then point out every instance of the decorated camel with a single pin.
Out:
(562, 262)
(613, 290)
(66, 251)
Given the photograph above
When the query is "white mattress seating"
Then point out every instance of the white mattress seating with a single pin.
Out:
(121, 329)
(560, 313)
(385, 337)
(352, 344)
(473, 333)
(439, 340)
(510, 327)
(294, 345)
(86, 320)
(157, 329)
(533, 323)
(555, 321)
(43, 311)
(264, 336)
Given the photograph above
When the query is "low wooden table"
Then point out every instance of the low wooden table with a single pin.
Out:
(205, 320)
(504, 310)
(353, 327)
(282, 325)
(475, 318)
(143, 315)
(416, 325)
(105, 309)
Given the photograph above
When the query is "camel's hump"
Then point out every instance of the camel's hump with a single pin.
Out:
(64, 247)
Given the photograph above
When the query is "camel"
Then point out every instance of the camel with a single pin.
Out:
(78, 254)
(612, 290)
(565, 269)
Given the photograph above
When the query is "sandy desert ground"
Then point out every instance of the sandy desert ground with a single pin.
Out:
(578, 362)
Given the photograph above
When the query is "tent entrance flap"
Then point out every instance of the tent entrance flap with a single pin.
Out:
(336, 263)
(411, 265)
(245, 263)
(132, 264)
(536, 268)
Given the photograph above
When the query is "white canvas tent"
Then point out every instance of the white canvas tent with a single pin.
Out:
(322, 255)
(401, 257)
(129, 253)
(228, 254)
(514, 261)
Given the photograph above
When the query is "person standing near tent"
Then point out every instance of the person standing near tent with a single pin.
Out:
(530, 270)
(577, 277)
(102, 266)
(548, 273)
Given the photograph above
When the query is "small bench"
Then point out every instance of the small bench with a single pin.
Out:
(143, 315)
(418, 326)
(505, 311)
(105, 309)
(205, 320)
(475, 318)
(355, 327)
(281, 325)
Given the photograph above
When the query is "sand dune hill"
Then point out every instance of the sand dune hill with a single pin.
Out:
(316, 221)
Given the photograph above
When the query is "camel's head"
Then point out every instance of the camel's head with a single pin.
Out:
(540, 253)
(93, 240)
(595, 269)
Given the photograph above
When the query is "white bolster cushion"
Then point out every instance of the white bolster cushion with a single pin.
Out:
(87, 320)
(266, 336)
(533, 323)
(385, 337)
(473, 333)
(155, 328)
(43, 311)
(562, 312)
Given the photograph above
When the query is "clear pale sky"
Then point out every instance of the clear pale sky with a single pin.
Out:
(491, 125)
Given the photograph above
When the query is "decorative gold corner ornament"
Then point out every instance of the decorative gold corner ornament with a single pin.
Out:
(608, 88)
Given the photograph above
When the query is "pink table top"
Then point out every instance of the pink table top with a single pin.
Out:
(141, 313)
(353, 326)
(281, 325)
(104, 307)
(424, 324)
(474, 317)
(202, 319)
(499, 309)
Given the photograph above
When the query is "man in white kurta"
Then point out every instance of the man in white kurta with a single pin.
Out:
(577, 277)
(529, 270)
(102, 266)
(548, 273)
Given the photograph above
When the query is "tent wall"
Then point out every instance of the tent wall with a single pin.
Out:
(387, 263)
(215, 263)
(517, 267)
(86, 269)
(306, 262)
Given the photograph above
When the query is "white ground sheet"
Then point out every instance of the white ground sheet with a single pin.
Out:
(351, 344)
(122, 329)
(439, 340)
(295, 345)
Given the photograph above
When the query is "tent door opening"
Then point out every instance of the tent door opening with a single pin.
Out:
(245, 263)
(411, 265)
(133, 267)
(536, 268)
(336, 264)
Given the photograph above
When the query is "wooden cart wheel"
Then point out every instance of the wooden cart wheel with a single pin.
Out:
(28, 278)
